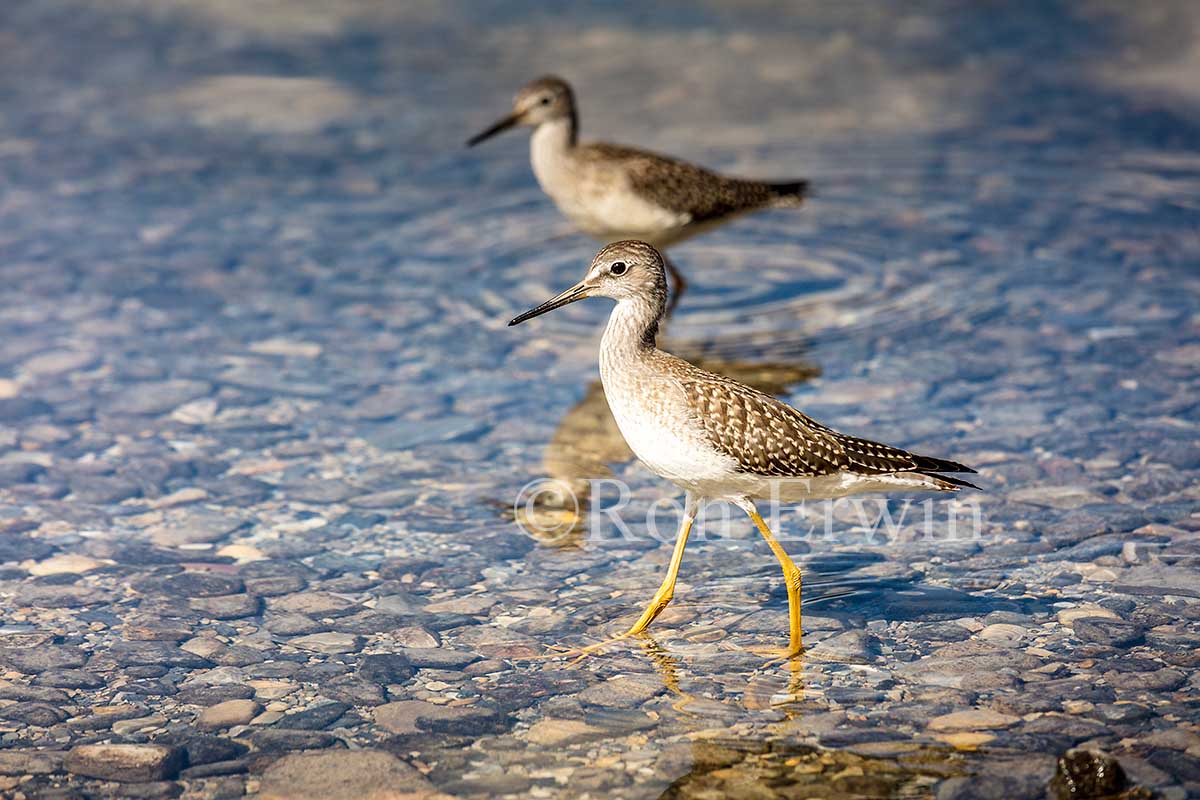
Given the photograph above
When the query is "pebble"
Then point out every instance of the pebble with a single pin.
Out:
(558, 732)
(30, 762)
(386, 668)
(227, 714)
(316, 718)
(344, 775)
(975, 719)
(134, 763)
(329, 643)
(67, 563)
(625, 691)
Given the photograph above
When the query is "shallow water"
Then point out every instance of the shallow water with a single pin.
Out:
(254, 328)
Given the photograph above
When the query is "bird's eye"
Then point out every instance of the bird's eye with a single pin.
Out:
(618, 268)
(545, 100)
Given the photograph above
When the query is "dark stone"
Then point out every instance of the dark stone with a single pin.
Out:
(69, 679)
(102, 490)
(41, 715)
(202, 584)
(277, 740)
(355, 692)
(1180, 766)
(16, 409)
(1110, 632)
(480, 720)
(369, 622)
(201, 695)
(32, 660)
(233, 606)
(386, 668)
(15, 546)
(315, 718)
(208, 770)
(155, 790)
(155, 653)
(15, 691)
(276, 585)
(203, 748)
(288, 624)
(438, 657)
(44, 596)
(16, 472)
(1086, 774)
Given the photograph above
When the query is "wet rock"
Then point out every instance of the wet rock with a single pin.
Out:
(16, 547)
(975, 719)
(31, 762)
(197, 526)
(69, 679)
(557, 732)
(41, 715)
(625, 691)
(16, 691)
(853, 645)
(233, 606)
(314, 604)
(1111, 632)
(228, 714)
(102, 718)
(329, 643)
(275, 585)
(154, 653)
(202, 584)
(134, 763)
(17, 472)
(344, 775)
(316, 718)
(233, 766)
(353, 691)
(51, 596)
(386, 668)
(438, 657)
(1083, 774)
(32, 660)
(288, 624)
(204, 695)
(276, 740)
(368, 622)
(153, 398)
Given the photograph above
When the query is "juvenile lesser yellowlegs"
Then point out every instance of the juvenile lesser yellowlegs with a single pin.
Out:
(716, 438)
(614, 192)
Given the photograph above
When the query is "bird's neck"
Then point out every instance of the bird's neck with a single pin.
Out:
(632, 329)
(554, 138)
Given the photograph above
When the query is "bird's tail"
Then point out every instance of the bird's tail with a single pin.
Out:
(790, 194)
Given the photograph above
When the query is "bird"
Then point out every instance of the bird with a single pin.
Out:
(719, 439)
(614, 192)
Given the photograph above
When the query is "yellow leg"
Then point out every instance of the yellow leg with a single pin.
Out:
(665, 591)
(791, 578)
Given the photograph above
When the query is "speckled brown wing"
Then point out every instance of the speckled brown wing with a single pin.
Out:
(770, 438)
(688, 189)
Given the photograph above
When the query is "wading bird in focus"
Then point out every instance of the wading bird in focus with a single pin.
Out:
(719, 439)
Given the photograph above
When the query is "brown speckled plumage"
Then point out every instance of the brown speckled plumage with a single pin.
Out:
(767, 437)
(685, 188)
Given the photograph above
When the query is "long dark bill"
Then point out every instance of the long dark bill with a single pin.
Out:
(499, 127)
(576, 292)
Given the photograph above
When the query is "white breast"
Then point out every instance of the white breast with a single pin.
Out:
(596, 195)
